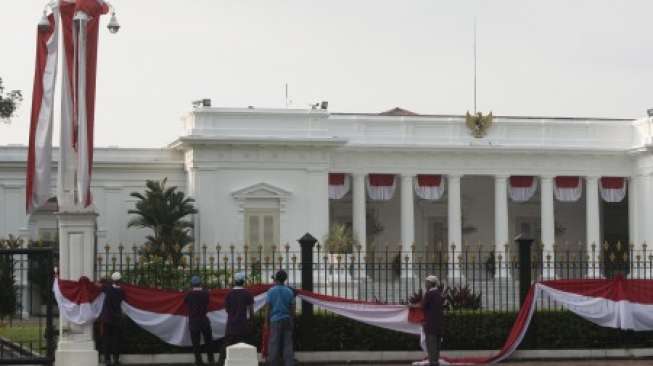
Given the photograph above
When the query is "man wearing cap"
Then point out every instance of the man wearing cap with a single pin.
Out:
(197, 303)
(239, 305)
(432, 306)
(111, 319)
(280, 314)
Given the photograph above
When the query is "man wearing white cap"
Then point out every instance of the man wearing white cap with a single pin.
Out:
(239, 305)
(432, 307)
(111, 319)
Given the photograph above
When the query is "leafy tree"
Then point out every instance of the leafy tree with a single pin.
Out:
(9, 101)
(8, 302)
(163, 210)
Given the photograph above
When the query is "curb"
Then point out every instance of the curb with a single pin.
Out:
(326, 357)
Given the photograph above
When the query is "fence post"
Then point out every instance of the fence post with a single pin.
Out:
(307, 242)
(524, 268)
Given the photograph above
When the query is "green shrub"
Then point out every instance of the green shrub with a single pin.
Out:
(463, 331)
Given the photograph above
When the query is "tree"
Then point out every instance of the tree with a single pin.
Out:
(163, 210)
(9, 102)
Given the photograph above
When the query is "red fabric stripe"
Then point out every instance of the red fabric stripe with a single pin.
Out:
(612, 182)
(93, 8)
(424, 180)
(381, 180)
(336, 179)
(637, 291)
(567, 182)
(67, 11)
(521, 181)
(82, 291)
(91, 68)
(42, 38)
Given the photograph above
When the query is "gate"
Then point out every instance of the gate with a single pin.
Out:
(27, 335)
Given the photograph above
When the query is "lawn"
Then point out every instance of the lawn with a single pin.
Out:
(29, 336)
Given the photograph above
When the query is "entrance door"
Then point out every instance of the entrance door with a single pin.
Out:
(615, 234)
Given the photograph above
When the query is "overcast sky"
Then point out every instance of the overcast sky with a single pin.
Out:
(546, 58)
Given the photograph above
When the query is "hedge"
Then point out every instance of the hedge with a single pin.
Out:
(463, 331)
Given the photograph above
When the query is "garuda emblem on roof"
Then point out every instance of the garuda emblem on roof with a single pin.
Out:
(478, 123)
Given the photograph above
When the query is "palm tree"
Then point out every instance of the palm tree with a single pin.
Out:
(163, 210)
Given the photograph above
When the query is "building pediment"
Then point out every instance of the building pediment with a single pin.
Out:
(261, 191)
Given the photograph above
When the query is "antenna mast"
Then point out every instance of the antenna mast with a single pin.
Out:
(474, 65)
(286, 95)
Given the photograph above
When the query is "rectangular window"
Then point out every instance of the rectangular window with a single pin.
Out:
(262, 229)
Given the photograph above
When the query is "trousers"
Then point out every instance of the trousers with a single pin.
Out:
(280, 350)
(203, 331)
(111, 334)
(433, 349)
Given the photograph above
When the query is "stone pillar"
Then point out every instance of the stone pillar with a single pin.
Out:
(241, 354)
(501, 226)
(318, 201)
(593, 226)
(454, 228)
(407, 223)
(548, 228)
(359, 211)
(76, 259)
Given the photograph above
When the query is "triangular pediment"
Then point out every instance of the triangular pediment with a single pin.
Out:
(261, 190)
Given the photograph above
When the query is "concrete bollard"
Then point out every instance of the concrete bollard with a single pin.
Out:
(241, 354)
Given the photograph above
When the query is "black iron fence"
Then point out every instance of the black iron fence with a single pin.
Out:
(473, 278)
(27, 333)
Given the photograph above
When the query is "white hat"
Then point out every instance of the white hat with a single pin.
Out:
(240, 276)
(116, 276)
(432, 279)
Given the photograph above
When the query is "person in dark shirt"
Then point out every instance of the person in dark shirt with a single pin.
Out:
(111, 319)
(432, 306)
(197, 303)
(239, 305)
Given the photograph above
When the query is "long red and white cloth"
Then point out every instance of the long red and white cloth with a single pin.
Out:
(617, 303)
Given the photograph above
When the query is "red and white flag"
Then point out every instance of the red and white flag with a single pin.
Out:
(381, 187)
(568, 189)
(613, 189)
(429, 187)
(80, 23)
(522, 188)
(39, 153)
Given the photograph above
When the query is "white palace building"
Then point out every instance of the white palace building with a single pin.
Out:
(268, 176)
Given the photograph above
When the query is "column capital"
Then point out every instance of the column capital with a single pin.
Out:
(547, 176)
(407, 175)
(454, 176)
(359, 174)
(592, 177)
(501, 176)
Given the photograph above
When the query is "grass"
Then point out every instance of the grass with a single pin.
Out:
(30, 336)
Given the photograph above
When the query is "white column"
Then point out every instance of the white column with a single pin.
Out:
(633, 189)
(318, 189)
(359, 210)
(454, 228)
(593, 226)
(548, 227)
(76, 259)
(407, 223)
(501, 225)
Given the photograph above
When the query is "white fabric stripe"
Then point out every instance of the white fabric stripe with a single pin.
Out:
(568, 194)
(67, 157)
(393, 317)
(432, 193)
(522, 194)
(43, 135)
(606, 313)
(82, 132)
(381, 193)
(613, 194)
(173, 329)
(79, 314)
(337, 192)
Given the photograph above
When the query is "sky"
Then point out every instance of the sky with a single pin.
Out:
(589, 58)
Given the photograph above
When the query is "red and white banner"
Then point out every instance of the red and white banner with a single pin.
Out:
(522, 188)
(339, 185)
(568, 189)
(80, 23)
(381, 187)
(39, 153)
(616, 303)
(429, 187)
(613, 189)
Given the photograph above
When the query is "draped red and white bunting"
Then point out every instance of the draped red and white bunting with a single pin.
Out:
(568, 189)
(39, 153)
(429, 187)
(339, 185)
(615, 303)
(613, 189)
(381, 187)
(522, 188)
(80, 23)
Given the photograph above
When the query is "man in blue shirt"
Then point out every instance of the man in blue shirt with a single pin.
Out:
(281, 312)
